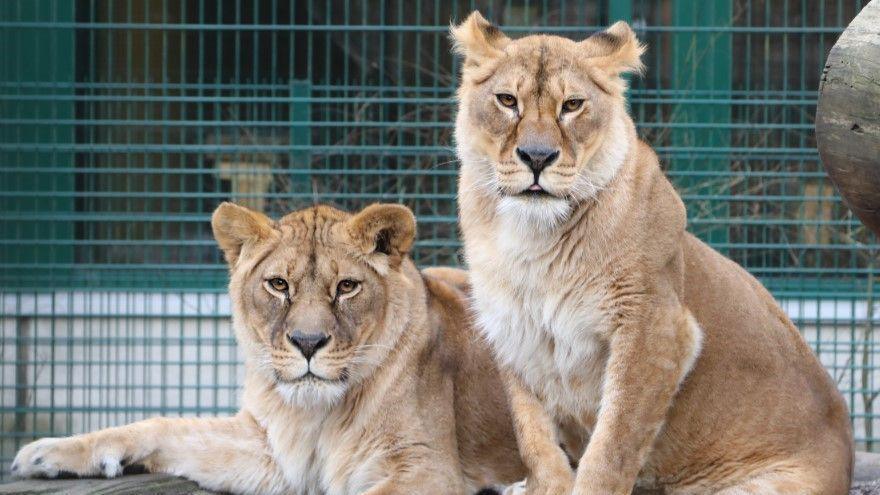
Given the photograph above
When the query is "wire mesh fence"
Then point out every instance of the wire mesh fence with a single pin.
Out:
(124, 123)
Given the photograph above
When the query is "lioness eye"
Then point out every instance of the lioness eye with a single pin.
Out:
(507, 100)
(346, 286)
(572, 105)
(278, 284)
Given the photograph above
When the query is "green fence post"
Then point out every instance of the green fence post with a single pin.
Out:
(300, 136)
(37, 62)
(701, 68)
(619, 10)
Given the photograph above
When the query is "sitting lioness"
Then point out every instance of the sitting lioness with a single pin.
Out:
(362, 374)
(653, 359)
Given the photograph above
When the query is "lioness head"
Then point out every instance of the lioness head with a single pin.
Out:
(320, 296)
(542, 120)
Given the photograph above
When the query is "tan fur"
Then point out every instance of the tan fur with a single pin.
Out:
(404, 399)
(653, 359)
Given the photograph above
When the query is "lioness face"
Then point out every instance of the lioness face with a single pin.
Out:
(311, 293)
(537, 113)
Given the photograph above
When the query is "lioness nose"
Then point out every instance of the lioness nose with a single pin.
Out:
(308, 343)
(537, 157)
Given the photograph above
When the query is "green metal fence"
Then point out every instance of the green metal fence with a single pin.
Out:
(124, 123)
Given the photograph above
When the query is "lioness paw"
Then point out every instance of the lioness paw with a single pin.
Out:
(54, 457)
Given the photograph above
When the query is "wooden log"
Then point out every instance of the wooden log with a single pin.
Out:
(848, 115)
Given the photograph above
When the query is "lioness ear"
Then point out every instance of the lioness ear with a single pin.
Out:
(236, 227)
(477, 39)
(616, 50)
(384, 229)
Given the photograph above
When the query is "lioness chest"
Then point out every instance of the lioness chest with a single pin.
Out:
(543, 326)
(319, 459)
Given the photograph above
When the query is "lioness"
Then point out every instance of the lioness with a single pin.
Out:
(654, 360)
(362, 374)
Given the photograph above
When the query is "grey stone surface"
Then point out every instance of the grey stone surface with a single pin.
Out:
(872, 488)
(136, 484)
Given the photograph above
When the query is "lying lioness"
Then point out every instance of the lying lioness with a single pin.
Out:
(362, 374)
(652, 358)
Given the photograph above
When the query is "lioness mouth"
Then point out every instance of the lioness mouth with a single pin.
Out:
(309, 376)
(535, 190)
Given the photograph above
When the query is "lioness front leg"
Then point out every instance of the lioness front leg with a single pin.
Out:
(549, 471)
(227, 454)
(646, 364)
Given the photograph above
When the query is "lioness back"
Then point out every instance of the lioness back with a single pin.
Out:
(784, 403)
(784, 384)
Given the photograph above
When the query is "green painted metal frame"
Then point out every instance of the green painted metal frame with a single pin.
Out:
(702, 62)
(45, 55)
